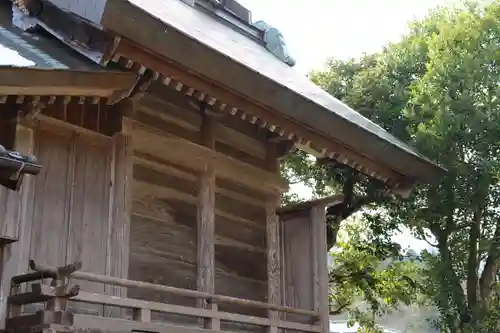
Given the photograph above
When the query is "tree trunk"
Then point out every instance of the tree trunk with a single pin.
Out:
(490, 269)
(454, 292)
(472, 264)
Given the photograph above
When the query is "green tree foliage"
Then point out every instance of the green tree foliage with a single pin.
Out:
(439, 89)
(368, 282)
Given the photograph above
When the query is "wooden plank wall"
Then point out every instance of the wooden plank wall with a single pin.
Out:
(9, 204)
(15, 207)
(298, 264)
(163, 223)
(72, 208)
(304, 257)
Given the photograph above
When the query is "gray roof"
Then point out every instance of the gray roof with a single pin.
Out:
(258, 74)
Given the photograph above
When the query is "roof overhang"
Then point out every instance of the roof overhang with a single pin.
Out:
(325, 202)
(62, 82)
(229, 60)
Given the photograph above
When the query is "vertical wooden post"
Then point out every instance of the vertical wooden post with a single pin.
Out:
(142, 315)
(273, 240)
(206, 223)
(120, 204)
(120, 201)
(320, 265)
(25, 143)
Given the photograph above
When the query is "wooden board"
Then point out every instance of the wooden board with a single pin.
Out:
(163, 240)
(163, 106)
(304, 255)
(297, 266)
(192, 155)
(57, 82)
(88, 211)
(71, 208)
(49, 235)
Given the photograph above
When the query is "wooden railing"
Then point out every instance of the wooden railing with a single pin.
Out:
(59, 293)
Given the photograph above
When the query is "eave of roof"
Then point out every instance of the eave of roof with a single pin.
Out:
(306, 205)
(62, 82)
(258, 75)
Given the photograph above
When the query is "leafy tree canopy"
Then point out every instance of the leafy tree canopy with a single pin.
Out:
(438, 88)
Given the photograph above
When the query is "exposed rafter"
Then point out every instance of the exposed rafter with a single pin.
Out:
(177, 80)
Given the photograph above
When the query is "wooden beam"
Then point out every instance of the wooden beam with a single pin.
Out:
(57, 82)
(320, 265)
(194, 156)
(273, 263)
(129, 303)
(173, 111)
(49, 123)
(220, 299)
(306, 205)
(144, 190)
(273, 241)
(205, 232)
(141, 159)
(193, 135)
(120, 206)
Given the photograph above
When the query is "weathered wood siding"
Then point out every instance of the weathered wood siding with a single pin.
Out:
(298, 264)
(9, 211)
(72, 211)
(15, 207)
(304, 270)
(163, 226)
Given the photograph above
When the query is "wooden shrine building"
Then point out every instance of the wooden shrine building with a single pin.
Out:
(159, 126)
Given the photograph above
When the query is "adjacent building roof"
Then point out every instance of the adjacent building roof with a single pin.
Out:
(203, 44)
(36, 50)
(31, 63)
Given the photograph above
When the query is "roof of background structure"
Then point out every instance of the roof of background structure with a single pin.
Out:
(257, 72)
(39, 64)
(36, 50)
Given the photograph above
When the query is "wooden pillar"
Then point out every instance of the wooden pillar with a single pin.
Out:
(273, 240)
(17, 219)
(320, 265)
(121, 176)
(120, 199)
(206, 223)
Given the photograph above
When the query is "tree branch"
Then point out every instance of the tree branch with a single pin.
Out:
(339, 309)
(359, 273)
